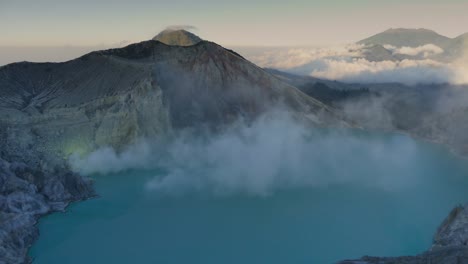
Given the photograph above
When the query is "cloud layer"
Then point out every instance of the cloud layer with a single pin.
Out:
(363, 71)
(352, 63)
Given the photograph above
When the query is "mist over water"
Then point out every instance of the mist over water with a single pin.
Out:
(273, 191)
(275, 152)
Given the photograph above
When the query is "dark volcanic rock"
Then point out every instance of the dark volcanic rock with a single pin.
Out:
(22, 201)
(454, 230)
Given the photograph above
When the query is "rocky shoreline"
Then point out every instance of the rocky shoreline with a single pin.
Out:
(450, 244)
(25, 195)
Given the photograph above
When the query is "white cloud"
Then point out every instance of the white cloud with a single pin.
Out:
(460, 67)
(363, 71)
(294, 57)
(424, 51)
(350, 64)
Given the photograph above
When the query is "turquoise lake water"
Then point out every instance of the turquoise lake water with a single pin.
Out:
(303, 224)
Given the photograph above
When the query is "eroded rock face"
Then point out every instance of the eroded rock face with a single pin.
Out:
(449, 245)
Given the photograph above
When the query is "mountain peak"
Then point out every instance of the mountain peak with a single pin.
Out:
(177, 37)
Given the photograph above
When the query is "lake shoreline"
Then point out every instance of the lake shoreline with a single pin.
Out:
(430, 143)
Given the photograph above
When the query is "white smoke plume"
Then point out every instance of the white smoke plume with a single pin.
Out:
(274, 153)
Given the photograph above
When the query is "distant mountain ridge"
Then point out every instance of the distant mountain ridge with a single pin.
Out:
(405, 37)
(400, 37)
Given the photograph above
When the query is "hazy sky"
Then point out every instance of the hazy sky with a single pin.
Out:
(231, 23)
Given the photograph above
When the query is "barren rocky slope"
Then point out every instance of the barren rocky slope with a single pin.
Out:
(110, 98)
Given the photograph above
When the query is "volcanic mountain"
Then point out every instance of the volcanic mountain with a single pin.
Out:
(112, 98)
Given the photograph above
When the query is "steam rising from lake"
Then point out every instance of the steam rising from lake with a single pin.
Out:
(273, 153)
(275, 190)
